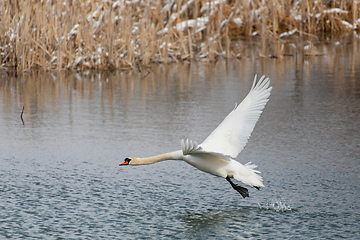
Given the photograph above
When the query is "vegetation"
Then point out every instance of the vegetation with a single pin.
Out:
(109, 34)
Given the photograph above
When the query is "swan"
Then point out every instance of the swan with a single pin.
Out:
(216, 154)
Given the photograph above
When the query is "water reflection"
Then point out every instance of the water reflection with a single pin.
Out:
(210, 222)
(128, 100)
(42, 91)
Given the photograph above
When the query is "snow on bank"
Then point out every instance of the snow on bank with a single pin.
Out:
(122, 33)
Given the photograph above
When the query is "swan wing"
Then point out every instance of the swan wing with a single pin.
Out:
(190, 147)
(231, 136)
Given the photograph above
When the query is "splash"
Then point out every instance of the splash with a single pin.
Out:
(278, 205)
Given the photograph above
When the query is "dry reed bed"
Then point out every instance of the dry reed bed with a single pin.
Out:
(109, 34)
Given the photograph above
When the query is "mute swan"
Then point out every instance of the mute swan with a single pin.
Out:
(217, 153)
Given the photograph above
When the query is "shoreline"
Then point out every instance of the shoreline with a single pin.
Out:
(115, 35)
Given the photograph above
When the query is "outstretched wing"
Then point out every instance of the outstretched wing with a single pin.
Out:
(231, 136)
(190, 147)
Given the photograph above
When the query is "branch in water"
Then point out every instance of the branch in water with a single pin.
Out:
(22, 112)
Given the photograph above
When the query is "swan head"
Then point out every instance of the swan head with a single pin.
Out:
(126, 162)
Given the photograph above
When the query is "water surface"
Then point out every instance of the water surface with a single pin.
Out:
(59, 170)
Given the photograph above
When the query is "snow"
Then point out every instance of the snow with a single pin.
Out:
(73, 32)
(289, 33)
(238, 21)
(209, 6)
(357, 24)
(335, 10)
(192, 23)
(117, 4)
(53, 59)
(347, 24)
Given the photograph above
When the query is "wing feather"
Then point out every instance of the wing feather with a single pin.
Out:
(190, 147)
(231, 136)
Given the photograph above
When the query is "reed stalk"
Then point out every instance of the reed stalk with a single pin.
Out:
(120, 34)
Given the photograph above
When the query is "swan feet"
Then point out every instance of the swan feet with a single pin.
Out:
(243, 191)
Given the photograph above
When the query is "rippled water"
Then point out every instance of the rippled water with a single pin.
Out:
(60, 176)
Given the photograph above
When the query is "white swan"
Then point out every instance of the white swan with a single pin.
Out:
(216, 154)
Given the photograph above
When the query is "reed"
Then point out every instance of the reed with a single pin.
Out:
(124, 34)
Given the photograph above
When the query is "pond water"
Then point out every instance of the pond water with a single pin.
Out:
(59, 169)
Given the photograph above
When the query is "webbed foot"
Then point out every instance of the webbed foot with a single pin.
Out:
(243, 191)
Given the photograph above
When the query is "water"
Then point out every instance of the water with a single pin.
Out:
(59, 170)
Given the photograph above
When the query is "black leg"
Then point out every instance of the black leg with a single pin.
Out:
(243, 191)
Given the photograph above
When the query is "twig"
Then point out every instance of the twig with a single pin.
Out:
(22, 112)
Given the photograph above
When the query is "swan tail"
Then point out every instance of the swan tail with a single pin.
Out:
(250, 176)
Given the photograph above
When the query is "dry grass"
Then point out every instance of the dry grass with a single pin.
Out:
(109, 34)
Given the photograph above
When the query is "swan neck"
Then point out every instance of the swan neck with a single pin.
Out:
(162, 157)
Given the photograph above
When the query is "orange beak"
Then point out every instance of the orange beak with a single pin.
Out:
(126, 162)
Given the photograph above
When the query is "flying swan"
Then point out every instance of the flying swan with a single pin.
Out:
(217, 153)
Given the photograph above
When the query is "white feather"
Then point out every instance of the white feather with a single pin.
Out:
(215, 155)
(231, 136)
